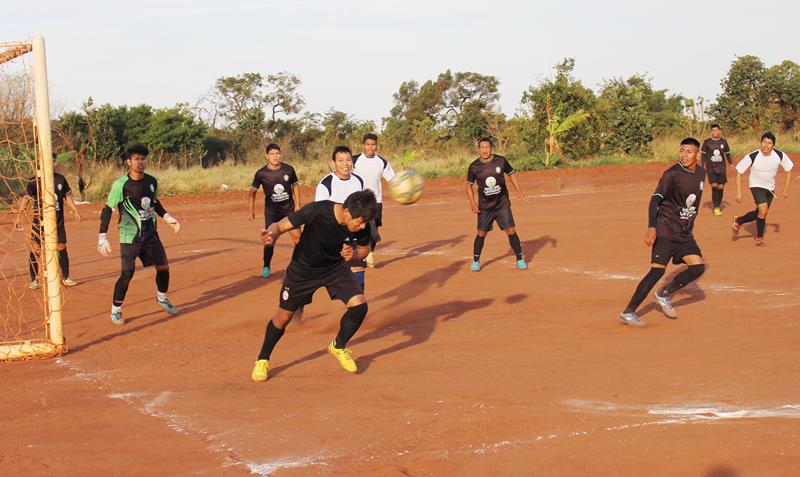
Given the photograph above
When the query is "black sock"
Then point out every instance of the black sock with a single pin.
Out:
(477, 247)
(162, 280)
(748, 217)
(645, 285)
(121, 287)
(271, 338)
(682, 279)
(350, 323)
(761, 224)
(268, 251)
(33, 266)
(716, 197)
(63, 262)
(515, 245)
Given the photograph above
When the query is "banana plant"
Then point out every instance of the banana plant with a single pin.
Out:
(556, 128)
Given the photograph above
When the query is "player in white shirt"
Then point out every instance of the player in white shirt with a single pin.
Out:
(371, 167)
(763, 164)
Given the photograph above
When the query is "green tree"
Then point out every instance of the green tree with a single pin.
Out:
(176, 136)
(744, 100)
(782, 82)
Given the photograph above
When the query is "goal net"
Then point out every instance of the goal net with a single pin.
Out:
(30, 284)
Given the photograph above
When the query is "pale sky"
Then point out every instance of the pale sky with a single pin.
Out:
(352, 55)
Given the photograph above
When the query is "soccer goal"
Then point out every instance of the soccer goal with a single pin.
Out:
(30, 310)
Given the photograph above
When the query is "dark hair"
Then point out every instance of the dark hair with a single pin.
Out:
(339, 149)
(715, 125)
(272, 146)
(768, 135)
(486, 139)
(690, 141)
(139, 149)
(362, 205)
(372, 136)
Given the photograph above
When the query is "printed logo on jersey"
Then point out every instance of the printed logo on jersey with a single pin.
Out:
(690, 210)
(717, 157)
(492, 187)
(286, 177)
(285, 294)
(701, 186)
(152, 188)
(279, 193)
(497, 169)
(146, 212)
(60, 186)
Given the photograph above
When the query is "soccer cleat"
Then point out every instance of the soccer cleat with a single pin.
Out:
(666, 306)
(760, 242)
(370, 260)
(475, 267)
(260, 370)
(116, 318)
(522, 265)
(717, 211)
(167, 306)
(69, 282)
(265, 272)
(34, 285)
(736, 225)
(630, 318)
(344, 357)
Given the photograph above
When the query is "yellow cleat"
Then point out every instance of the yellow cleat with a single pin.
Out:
(717, 212)
(344, 357)
(260, 370)
(69, 282)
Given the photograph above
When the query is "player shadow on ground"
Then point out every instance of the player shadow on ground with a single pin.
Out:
(422, 248)
(751, 228)
(691, 293)
(530, 248)
(721, 471)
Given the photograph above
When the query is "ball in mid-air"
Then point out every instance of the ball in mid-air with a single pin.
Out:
(406, 187)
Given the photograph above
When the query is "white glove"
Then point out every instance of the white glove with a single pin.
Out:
(172, 222)
(103, 246)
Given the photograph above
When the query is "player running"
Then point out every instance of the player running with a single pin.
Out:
(671, 215)
(281, 196)
(716, 155)
(371, 168)
(488, 172)
(763, 164)
(135, 196)
(320, 260)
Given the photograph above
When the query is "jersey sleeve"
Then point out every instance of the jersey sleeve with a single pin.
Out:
(728, 153)
(67, 188)
(507, 169)
(293, 177)
(321, 193)
(704, 149)
(786, 163)
(471, 175)
(306, 215)
(155, 190)
(664, 184)
(388, 172)
(256, 182)
(115, 196)
(744, 164)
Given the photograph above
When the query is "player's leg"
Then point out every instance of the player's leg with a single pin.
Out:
(63, 256)
(660, 255)
(485, 220)
(690, 254)
(267, 252)
(758, 197)
(33, 255)
(156, 255)
(274, 332)
(762, 206)
(128, 254)
(505, 220)
(343, 286)
(716, 193)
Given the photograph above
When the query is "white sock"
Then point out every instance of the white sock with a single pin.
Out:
(161, 296)
(116, 309)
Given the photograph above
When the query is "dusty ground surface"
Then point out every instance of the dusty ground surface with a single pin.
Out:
(502, 372)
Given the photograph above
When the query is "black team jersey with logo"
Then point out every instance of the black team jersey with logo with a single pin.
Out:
(490, 178)
(321, 243)
(137, 203)
(681, 191)
(716, 153)
(277, 185)
(62, 189)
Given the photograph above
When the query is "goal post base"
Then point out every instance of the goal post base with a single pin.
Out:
(30, 350)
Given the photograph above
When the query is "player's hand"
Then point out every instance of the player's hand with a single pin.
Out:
(172, 222)
(474, 208)
(268, 237)
(347, 252)
(738, 197)
(650, 236)
(77, 218)
(103, 246)
(522, 197)
(252, 216)
(786, 194)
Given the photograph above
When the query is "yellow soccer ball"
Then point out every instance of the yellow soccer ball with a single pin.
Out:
(406, 187)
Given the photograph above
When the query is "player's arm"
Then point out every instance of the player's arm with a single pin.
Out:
(652, 217)
(321, 193)
(270, 234)
(787, 165)
(21, 206)
(296, 196)
(162, 212)
(251, 199)
(71, 204)
(513, 179)
(741, 168)
(471, 197)
(388, 173)
(114, 199)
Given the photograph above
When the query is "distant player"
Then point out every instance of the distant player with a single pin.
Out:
(763, 164)
(281, 196)
(671, 215)
(320, 260)
(371, 168)
(716, 155)
(63, 194)
(135, 196)
(488, 172)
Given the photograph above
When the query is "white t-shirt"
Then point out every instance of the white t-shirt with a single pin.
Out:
(337, 190)
(371, 169)
(764, 168)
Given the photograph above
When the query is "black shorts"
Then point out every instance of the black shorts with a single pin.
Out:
(664, 249)
(37, 232)
(299, 285)
(150, 252)
(761, 195)
(271, 216)
(717, 177)
(503, 217)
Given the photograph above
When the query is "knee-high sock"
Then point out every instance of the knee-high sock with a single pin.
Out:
(477, 247)
(350, 323)
(645, 285)
(63, 262)
(272, 335)
(761, 224)
(515, 245)
(33, 266)
(162, 280)
(268, 251)
(121, 287)
(682, 279)
(716, 197)
(748, 217)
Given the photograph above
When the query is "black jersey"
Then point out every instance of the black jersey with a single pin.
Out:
(715, 153)
(137, 203)
(491, 180)
(277, 185)
(681, 191)
(321, 243)
(62, 189)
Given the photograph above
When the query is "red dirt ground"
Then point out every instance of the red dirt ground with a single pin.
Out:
(501, 372)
